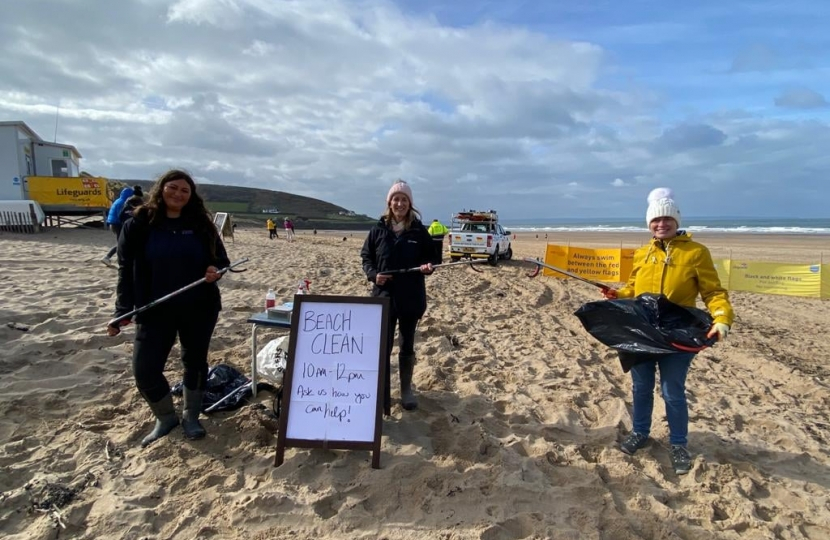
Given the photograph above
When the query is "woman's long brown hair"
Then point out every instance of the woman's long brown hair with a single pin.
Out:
(195, 213)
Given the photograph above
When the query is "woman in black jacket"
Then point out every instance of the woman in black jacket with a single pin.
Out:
(170, 242)
(398, 241)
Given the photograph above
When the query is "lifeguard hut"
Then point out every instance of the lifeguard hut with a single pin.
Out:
(47, 175)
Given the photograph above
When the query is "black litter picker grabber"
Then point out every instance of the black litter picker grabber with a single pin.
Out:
(128, 316)
(442, 265)
(539, 265)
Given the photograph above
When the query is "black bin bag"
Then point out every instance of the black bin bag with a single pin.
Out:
(647, 325)
(223, 380)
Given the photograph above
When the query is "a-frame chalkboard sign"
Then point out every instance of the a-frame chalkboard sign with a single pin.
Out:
(333, 385)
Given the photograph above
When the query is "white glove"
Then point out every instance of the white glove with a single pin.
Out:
(719, 328)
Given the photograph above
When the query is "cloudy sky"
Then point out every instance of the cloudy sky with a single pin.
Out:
(535, 108)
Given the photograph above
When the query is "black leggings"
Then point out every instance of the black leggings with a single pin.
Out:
(406, 343)
(155, 339)
(406, 327)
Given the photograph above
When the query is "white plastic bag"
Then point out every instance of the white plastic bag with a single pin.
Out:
(272, 360)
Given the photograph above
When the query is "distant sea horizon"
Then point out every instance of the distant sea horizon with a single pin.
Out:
(732, 225)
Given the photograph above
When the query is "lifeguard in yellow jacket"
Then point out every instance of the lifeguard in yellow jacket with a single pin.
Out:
(676, 266)
(438, 231)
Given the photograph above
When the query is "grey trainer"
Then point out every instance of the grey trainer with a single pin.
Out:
(633, 442)
(681, 460)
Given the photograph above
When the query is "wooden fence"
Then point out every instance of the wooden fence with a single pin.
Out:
(19, 222)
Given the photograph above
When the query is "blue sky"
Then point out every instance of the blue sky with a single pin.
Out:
(538, 109)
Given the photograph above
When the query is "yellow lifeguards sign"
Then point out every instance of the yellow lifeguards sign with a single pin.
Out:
(75, 192)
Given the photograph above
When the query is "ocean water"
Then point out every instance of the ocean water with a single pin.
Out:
(691, 224)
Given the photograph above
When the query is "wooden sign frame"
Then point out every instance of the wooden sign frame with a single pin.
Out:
(224, 225)
(288, 380)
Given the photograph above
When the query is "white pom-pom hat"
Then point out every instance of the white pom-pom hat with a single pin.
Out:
(661, 204)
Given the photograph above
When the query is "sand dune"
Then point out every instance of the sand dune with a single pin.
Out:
(520, 413)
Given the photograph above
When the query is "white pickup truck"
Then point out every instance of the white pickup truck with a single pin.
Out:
(478, 235)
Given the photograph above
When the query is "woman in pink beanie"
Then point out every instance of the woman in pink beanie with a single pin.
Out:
(398, 241)
(676, 266)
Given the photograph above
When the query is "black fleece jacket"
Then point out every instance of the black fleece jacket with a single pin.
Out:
(155, 260)
(383, 251)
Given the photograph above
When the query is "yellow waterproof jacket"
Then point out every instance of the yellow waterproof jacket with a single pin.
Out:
(680, 269)
(436, 228)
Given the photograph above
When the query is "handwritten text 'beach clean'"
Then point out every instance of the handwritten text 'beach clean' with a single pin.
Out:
(332, 337)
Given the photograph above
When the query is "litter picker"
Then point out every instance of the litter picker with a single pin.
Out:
(244, 387)
(539, 264)
(166, 297)
(471, 262)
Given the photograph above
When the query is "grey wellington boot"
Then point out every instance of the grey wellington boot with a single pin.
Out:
(166, 419)
(407, 366)
(190, 415)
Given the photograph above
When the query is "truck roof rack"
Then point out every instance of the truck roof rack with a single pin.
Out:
(477, 215)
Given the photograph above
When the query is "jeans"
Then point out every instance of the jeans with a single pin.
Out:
(673, 370)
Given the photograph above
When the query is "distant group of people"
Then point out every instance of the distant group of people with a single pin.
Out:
(271, 226)
(170, 241)
(272, 229)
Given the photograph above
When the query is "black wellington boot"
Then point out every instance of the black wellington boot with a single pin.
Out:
(190, 415)
(407, 366)
(166, 419)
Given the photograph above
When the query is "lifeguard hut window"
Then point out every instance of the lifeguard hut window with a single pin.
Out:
(60, 168)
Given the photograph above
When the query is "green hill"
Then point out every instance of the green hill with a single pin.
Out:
(250, 207)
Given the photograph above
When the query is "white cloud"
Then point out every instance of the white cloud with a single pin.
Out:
(221, 13)
(335, 99)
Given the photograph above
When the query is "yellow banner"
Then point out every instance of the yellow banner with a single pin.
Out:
(613, 265)
(775, 278)
(79, 192)
(722, 266)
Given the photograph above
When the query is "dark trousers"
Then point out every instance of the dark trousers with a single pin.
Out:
(272, 233)
(406, 343)
(117, 230)
(438, 244)
(155, 339)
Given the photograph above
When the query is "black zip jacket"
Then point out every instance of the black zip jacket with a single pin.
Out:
(155, 260)
(383, 251)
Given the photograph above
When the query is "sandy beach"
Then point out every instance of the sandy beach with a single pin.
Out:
(516, 435)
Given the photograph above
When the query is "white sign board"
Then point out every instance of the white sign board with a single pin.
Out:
(334, 388)
(335, 377)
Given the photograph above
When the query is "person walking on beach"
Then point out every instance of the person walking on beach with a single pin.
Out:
(171, 242)
(680, 268)
(289, 229)
(272, 229)
(114, 221)
(399, 240)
